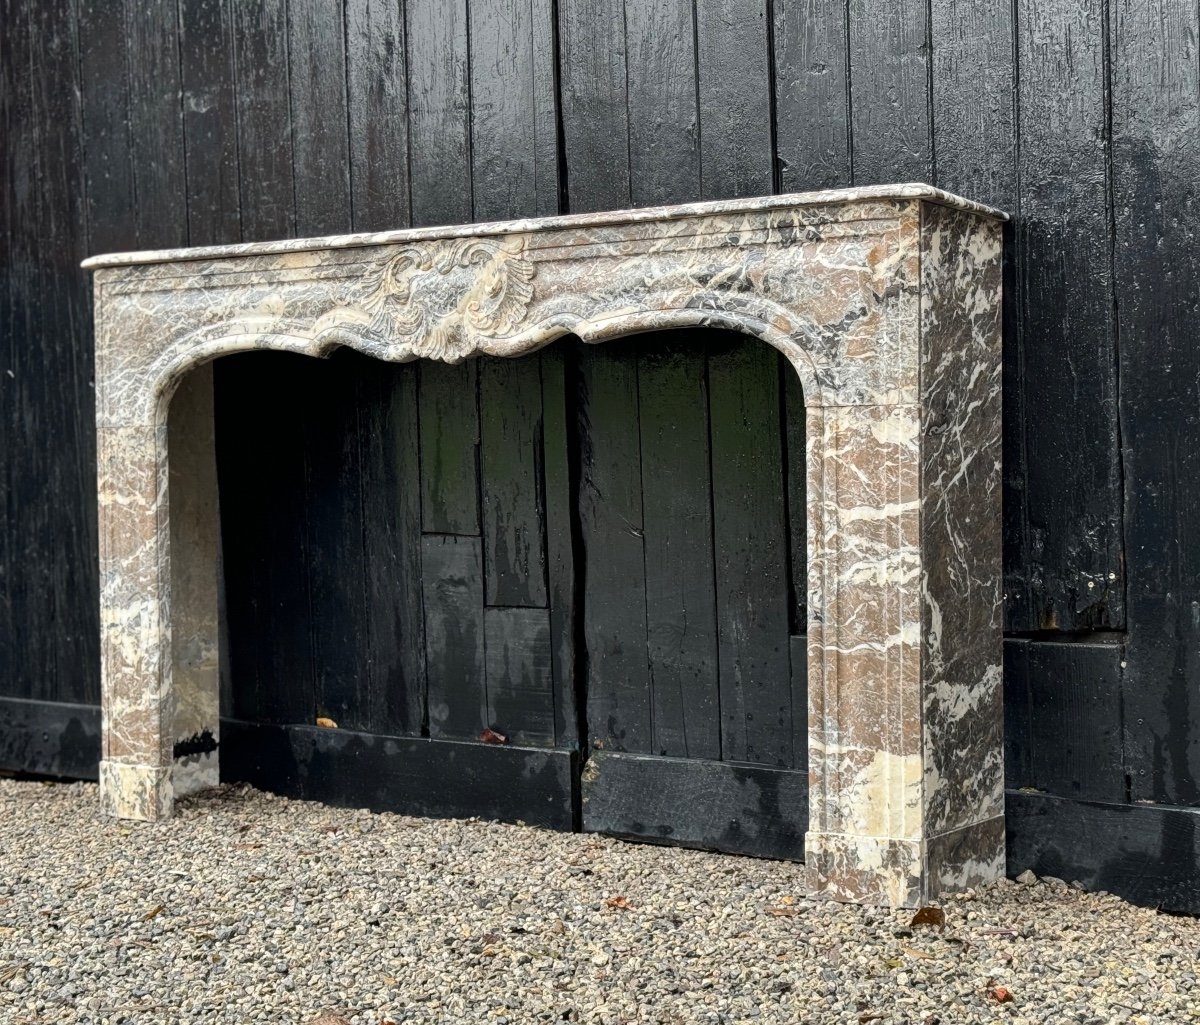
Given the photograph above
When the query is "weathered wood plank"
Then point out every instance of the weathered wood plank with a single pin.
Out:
(317, 86)
(1074, 496)
(734, 87)
(377, 95)
(49, 738)
(812, 88)
(514, 158)
(1017, 741)
(742, 809)
(390, 465)
(664, 120)
(750, 542)
(520, 677)
(560, 542)
(449, 411)
(614, 568)
(889, 75)
(336, 565)
(454, 636)
(409, 776)
(1155, 97)
(681, 618)
(264, 120)
(595, 119)
(210, 122)
(975, 148)
(438, 111)
(1146, 854)
(261, 481)
(513, 507)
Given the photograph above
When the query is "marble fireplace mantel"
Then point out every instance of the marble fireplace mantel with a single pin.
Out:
(885, 300)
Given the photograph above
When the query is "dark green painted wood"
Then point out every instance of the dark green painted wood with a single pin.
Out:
(513, 507)
(49, 738)
(750, 544)
(1066, 294)
(448, 397)
(454, 636)
(520, 677)
(681, 620)
(614, 569)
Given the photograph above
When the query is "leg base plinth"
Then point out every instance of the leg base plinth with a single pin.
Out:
(904, 873)
(141, 792)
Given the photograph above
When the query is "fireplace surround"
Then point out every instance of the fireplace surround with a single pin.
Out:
(885, 301)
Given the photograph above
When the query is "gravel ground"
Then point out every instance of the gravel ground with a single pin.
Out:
(251, 908)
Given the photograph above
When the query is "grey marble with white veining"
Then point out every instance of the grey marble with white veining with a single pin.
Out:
(884, 300)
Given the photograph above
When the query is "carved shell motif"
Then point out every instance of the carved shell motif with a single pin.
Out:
(434, 299)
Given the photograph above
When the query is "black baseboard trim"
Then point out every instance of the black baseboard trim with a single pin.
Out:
(434, 778)
(49, 738)
(1148, 854)
(719, 806)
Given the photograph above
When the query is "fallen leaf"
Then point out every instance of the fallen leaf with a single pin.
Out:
(784, 912)
(787, 899)
(929, 916)
(869, 1016)
(913, 952)
(1001, 994)
(326, 722)
(619, 902)
(246, 846)
(490, 736)
(152, 913)
(330, 1018)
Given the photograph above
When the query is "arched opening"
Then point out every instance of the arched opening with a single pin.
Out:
(593, 551)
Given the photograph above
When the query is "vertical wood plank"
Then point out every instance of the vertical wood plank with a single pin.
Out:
(733, 54)
(317, 85)
(9, 124)
(454, 636)
(209, 122)
(520, 679)
(664, 119)
(1067, 316)
(264, 118)
(975, 146)
(560, 543)
(595, 121)
(1156, 254)
(261, 481)
(681, 619)
(449, 413)
(510, 431)
(337, 568)
(889, 85)
(610, 518)
(391, 473)
(750, 544)
(812, 84)
(795, 475)
(438, 111)
(376, 87)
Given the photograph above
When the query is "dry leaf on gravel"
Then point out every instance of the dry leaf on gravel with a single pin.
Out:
(621, 903)
(152, 914)
(929, 916)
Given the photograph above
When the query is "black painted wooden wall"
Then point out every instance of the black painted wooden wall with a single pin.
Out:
(136, 123)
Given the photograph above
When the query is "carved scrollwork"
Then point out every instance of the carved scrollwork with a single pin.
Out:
(436, 299)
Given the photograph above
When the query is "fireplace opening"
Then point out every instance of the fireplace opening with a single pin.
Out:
(592, 552)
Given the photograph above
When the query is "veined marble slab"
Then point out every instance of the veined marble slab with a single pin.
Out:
(885, 301)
